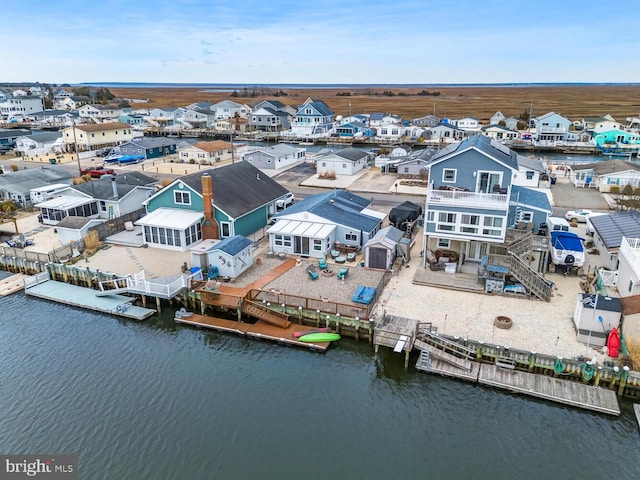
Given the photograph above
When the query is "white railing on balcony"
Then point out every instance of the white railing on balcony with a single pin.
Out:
(470, 199)
(630, 249)
(552, 130)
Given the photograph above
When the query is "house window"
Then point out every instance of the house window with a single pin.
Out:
(471, 219)
(193, 234)
(444, 243)
(406, 169)
(268, 160)
(103, 206)
(447, 217)
(225, 228)
(183, 198)
(529, 175)
(383, 131)
(324, 164)
(449, 175)
(351, 237)
(430, 216)
(317, 245)
(344, 165)
(630, 289)
(525, 217)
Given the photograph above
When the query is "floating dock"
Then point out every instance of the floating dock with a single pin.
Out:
(259, 330)
(83, 297)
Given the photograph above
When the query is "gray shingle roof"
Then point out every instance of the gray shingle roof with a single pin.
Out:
(340, 207)
(611, 228)
(483, 144)
(232, 245)
(131, 178)
(102, 190)
(24, 180)
(238, 188)
(529, 197)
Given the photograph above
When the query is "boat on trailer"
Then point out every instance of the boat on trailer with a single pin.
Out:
(566, 249)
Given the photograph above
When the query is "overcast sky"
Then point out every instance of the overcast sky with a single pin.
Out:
(322, 41)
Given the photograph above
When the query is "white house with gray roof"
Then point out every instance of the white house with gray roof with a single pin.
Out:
(40, 143)
(228, 109)
(94, 199)
(20, 107)
(17, 185)
(609, 232)
(347, 161)
(275, 156)
(314, 225)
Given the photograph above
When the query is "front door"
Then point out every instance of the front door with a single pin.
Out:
(476, 251)
(301, 246)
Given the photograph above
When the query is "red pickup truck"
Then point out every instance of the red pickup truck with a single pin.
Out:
(98, 171)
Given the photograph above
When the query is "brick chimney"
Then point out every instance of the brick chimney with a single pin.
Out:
(210, 228)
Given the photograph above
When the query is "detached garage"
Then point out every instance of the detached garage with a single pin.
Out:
(380, 251)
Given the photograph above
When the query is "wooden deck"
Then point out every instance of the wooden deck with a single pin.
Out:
(259, 330)
(549, 388)
(82, 297)
(467, 280)
(11, 284)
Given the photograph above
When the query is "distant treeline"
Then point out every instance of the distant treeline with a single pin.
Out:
(389, 93)
(258, 92)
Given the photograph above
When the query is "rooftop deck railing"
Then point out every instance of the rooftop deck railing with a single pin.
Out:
(472, 199)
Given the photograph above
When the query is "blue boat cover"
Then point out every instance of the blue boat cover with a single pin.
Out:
(364, 295)
(566, 241)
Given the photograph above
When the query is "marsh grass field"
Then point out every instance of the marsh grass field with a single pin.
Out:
(571, 101)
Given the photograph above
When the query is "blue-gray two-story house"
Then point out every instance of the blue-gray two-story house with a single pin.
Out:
(475, 193)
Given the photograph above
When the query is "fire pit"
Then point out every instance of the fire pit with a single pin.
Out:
(503, 322)
(327, 272)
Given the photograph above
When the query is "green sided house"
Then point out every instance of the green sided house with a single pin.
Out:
(236, 199)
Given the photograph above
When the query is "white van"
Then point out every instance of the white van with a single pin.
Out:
(557, 224)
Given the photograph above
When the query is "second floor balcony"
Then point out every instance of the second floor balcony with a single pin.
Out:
(630, 249)
(496, 201)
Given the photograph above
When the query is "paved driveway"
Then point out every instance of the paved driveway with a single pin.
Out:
(565, 195)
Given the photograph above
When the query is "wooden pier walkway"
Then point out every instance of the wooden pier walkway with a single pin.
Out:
(83, 297)
(259, 330)
(11, 284)
(549, 388)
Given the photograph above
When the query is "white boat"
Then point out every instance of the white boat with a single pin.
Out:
(566, 249)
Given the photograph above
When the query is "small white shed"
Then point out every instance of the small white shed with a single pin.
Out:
(594, 317)
(380, 251)
(231, 256)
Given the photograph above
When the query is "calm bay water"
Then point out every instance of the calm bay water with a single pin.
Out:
(157, 401)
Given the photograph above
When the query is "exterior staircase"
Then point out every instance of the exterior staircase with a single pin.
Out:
(530, 278)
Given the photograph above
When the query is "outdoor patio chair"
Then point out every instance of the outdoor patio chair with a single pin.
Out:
(342, 273)
(322, 264)
(313, 275)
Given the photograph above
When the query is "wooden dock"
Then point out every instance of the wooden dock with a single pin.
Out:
(549, 388)
(83, 297)
(431, 364)
(260, 330)
(12, 284)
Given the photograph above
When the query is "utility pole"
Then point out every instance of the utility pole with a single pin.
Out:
(75, 147)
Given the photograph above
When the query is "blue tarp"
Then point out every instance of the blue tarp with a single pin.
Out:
(566, 241)
(364, 295)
